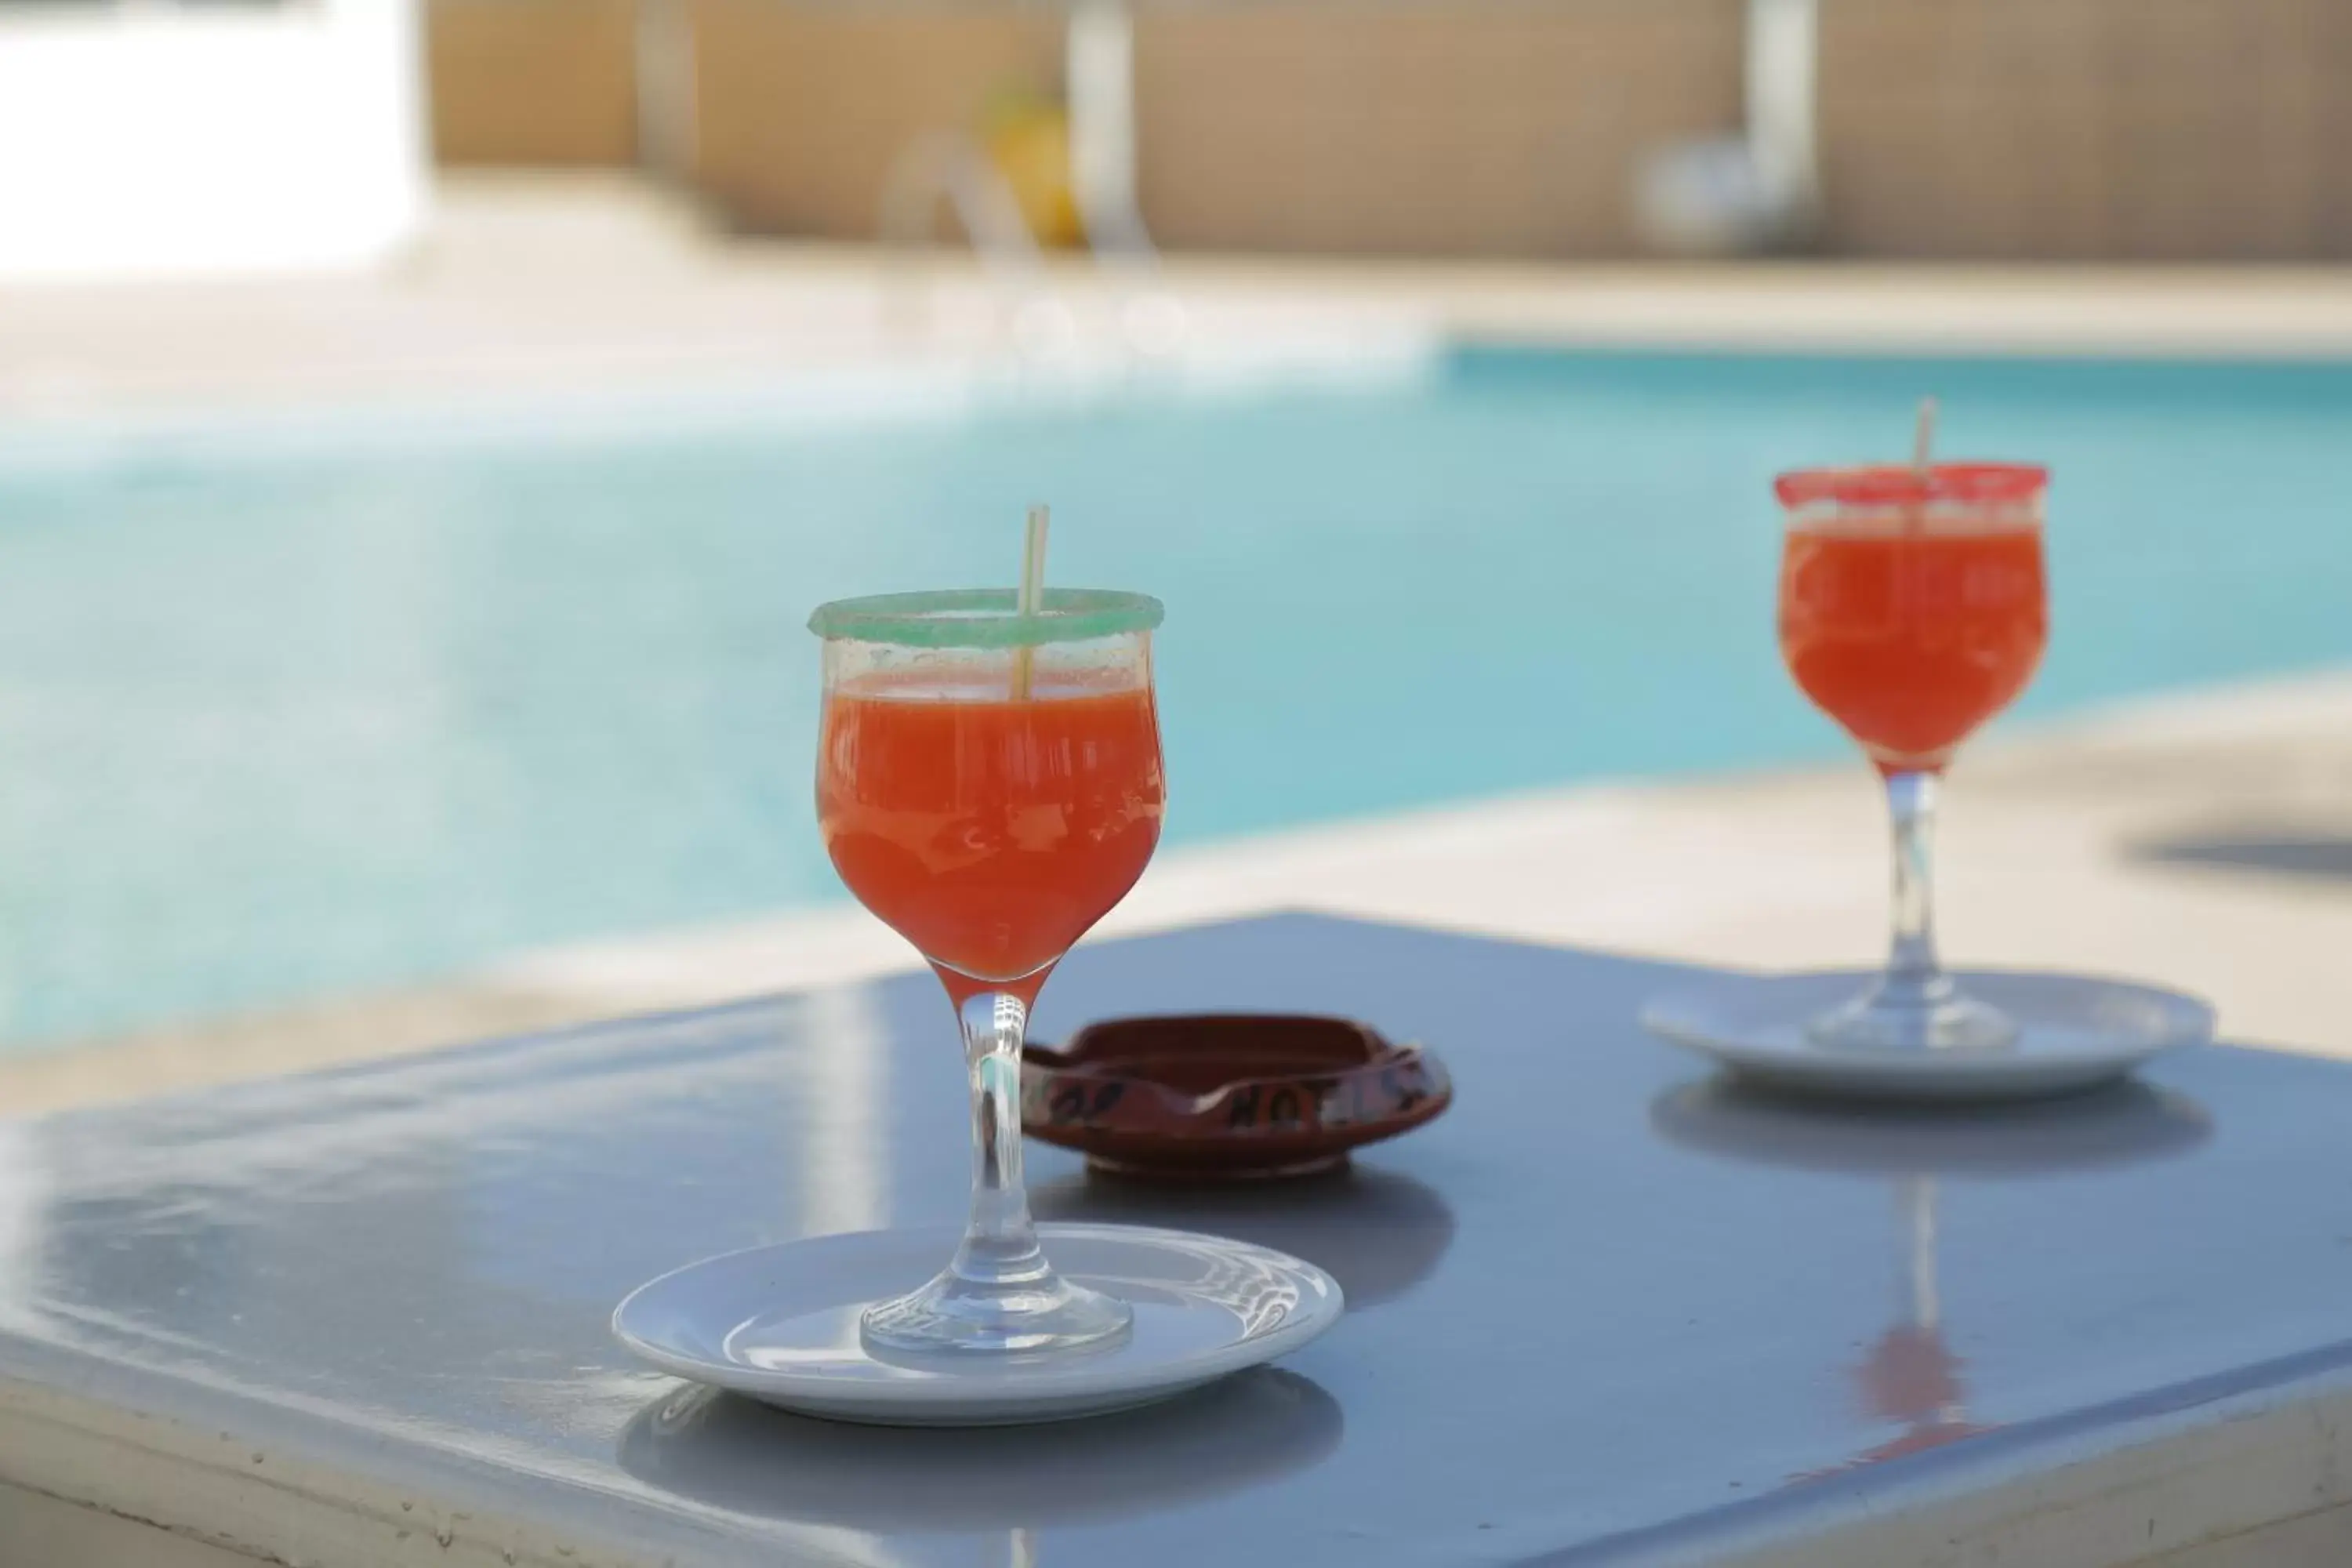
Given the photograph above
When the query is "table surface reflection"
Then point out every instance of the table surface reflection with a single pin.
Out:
(1602, 1310)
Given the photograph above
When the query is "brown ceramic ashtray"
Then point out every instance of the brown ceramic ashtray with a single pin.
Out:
(1226, 1096)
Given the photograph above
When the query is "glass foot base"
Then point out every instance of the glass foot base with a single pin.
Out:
(955, 1314)
(1894, 1015)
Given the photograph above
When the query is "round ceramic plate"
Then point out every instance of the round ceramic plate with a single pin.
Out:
(780, 1324)
(2073, 1032)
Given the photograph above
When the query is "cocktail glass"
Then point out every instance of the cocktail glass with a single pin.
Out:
(989, 785)
(1912, 608)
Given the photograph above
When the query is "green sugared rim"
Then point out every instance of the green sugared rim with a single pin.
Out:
(986, 618)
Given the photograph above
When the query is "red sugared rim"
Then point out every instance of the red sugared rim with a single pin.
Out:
(1897, 484)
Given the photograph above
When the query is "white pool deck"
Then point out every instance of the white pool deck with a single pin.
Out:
(542, 287)
(2203, 840)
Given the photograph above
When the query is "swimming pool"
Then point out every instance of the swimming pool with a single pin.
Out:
(278, 721)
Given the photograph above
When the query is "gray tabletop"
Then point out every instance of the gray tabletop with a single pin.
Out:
(1602, 1310)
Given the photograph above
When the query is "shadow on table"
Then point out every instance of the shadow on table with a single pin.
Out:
(2322, 856)
(1378, 1233)
(728, 1452)
(1911, 1378)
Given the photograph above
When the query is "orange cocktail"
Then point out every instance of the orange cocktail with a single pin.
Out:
(988, 782)
(1912, 608)
(990, 832)
(1912, 632)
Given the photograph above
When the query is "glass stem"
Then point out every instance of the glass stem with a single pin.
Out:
(1000, 1245)
(998, 1293)
(1914, 977)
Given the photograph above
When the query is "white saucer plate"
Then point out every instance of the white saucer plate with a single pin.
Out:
(781, 1324)
(2074, 1033)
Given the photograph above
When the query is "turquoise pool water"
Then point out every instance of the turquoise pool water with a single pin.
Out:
(278, 725)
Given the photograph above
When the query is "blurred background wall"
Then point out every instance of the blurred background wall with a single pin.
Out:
(545, 82)
(2158, 130)
(801, 109)
(2128, 130)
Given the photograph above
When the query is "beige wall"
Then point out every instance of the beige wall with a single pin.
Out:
(1433, 126)
(1491, 126)
(2027, 129)
(801, 108)
(2076, 128)
(532, 81)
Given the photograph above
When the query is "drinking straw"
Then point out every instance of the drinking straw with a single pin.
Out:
(1923, 442)
(1031, 598)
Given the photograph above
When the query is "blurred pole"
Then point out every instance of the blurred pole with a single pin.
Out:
(666, 100)
(1100, 65)
(1783, 67)
(1761, 190)
(1099, 60)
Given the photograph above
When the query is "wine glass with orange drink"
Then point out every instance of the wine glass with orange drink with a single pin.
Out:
(989, 784)
(1913, 605)
(1912, 608)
